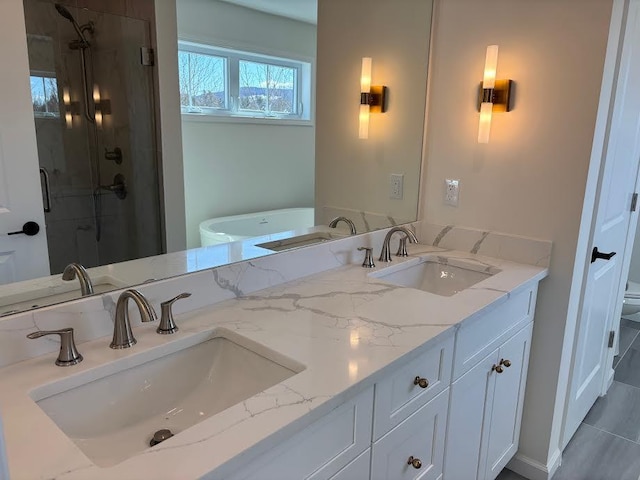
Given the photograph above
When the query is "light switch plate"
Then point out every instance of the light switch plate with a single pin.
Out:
(451, 192)
(396, 184)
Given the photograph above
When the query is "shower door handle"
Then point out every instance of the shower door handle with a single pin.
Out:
(29, 229)
(595, 255)
(47, 190)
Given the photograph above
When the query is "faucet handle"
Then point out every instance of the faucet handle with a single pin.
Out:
(368, 257)
(167, 324)
(69, 354)
(402, 247)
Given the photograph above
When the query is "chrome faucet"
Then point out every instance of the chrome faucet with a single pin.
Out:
(122, 334)
(74, 270)
(334, 223)
(385, 254)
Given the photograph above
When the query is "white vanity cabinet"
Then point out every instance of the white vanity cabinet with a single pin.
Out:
(449, 411)
(409, 420)
(487, 398)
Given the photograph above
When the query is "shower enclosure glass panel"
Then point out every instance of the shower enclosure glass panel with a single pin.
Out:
(94, 117)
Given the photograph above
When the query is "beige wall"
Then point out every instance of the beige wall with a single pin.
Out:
(530, 179)
(353, 173)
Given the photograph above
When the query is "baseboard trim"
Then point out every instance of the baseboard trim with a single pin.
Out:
(534, 470)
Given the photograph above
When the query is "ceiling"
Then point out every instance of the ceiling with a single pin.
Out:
(302, 10)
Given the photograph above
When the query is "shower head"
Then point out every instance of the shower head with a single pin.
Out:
(64, 12)
(67, 14)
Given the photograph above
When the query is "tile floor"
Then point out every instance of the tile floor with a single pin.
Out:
(607, 444)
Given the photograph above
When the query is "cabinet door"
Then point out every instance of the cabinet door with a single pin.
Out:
(420, 436)
(356, 470)
(318, 452)
(469, 420)
(507, 402)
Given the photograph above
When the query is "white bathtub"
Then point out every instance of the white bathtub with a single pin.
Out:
(240, 227)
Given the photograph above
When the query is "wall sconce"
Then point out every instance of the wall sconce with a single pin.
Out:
(70, 108)
(101, 107)
(494, 95)
(372, 98)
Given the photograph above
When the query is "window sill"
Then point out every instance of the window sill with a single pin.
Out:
(199, 117)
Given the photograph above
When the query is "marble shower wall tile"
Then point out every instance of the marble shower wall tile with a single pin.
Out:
(515, 248)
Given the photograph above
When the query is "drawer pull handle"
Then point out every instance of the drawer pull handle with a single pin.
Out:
(423, 382)
(506, 363)
(497, 368)
(414, 462)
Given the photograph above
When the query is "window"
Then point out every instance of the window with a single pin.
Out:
(203, 81)
(232, 83)
(44, 96)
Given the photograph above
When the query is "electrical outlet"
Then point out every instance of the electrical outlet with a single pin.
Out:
(451, 192)
(396, 181)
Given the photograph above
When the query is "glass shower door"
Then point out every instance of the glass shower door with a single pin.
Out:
(94, 116)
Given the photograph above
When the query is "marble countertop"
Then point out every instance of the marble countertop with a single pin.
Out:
(43, 291)
(346, 327)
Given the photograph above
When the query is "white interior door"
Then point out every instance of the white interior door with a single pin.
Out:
(612, 222)
(21, 256)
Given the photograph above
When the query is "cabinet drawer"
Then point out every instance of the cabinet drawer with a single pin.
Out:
(398, 395)
(477, 338)
(420, 436)
(356, 470)
(319, 451)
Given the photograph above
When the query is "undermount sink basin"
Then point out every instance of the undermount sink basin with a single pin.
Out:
(115, 417)
(41, 296)
(300, 241)
(436, 275)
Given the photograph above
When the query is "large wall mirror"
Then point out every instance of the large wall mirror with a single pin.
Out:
(269, 96)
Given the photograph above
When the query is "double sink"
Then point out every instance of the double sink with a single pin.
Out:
(112, 412)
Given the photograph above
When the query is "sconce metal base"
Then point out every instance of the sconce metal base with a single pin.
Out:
(500, 96)
(104, 106)
(376, 99)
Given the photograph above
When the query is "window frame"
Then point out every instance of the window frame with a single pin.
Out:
(303, 86)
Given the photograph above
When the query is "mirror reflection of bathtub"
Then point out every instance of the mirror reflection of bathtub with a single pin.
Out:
(275, 230)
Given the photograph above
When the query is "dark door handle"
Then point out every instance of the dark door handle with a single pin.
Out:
(595, 255)
(47, 189)
(30, 229)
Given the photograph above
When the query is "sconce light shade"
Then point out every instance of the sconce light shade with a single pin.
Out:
(484, 128)
(96, 93)
(372, 98)
(66, 101)
(365, 76)
(363, 129)
(493, 96)
(490, 67)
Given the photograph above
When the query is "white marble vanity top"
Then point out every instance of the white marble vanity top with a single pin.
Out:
(346, 328)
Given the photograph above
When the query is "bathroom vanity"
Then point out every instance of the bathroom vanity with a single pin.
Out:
(364, 378)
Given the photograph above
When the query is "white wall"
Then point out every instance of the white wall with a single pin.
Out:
(171, 146)
(353, 173)
(234, 168)
(530, 179)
